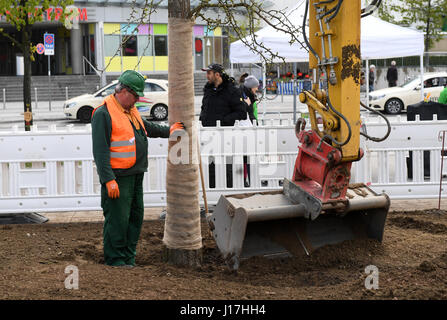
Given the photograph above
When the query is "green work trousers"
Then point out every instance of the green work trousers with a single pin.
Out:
(123, 220)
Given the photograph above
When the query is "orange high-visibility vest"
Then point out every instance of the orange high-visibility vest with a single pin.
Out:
(123, 151)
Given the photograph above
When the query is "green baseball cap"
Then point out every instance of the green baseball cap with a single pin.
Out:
(134, 80)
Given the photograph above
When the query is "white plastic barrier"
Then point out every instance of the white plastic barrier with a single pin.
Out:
(53, 170)
(396, 165)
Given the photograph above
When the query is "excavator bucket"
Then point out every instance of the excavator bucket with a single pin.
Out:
(292, 222)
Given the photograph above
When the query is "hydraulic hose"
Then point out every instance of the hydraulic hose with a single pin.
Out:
(304, 33)
(337, 8)
(386, 120)
(370, 8)
(328, 99)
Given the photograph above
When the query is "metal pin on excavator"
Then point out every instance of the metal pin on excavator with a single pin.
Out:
(317, 206)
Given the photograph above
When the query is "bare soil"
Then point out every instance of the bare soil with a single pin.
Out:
(412, 263)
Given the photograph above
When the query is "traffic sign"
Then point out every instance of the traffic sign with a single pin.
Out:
(40, 48)
(48, 40)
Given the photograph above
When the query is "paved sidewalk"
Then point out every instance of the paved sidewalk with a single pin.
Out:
(154, 213)
(93, 216)
(13, 111)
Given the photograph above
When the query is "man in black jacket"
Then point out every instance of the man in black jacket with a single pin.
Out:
(221, 99)
(391, 75)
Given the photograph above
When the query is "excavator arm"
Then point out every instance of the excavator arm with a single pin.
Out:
(317, 206)
(325, 156)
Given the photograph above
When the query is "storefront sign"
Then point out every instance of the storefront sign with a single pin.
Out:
(80, 15)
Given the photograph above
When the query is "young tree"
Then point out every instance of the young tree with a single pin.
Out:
(182, 236)
(22, 15)
(426, 15)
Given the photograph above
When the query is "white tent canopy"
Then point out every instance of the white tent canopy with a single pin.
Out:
(379, 40)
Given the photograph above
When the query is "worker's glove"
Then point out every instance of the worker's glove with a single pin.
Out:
(176, 126)
(112, 189)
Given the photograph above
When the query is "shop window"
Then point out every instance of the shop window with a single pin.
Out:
(198, 50)
(145, 46)
(225, 52)
(218, 50)
(129, 46)
(209, 43)
(161, 45)
(111, 45)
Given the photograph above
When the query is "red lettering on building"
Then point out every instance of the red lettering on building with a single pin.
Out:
(82, 14)
(48, 11)
(58, 13)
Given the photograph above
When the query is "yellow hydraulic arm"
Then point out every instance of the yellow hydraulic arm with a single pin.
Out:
(334, 57)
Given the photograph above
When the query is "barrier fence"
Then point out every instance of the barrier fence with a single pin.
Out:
(53, 170)
(286, 88)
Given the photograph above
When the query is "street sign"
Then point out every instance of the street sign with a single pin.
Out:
(40, 48)
(48, 40)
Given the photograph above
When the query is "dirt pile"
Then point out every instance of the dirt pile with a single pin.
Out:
(412, 264)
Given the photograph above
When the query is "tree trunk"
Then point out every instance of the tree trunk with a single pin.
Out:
(26, 42)
(182, 234)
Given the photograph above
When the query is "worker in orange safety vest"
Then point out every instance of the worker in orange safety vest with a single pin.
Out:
(120, 150)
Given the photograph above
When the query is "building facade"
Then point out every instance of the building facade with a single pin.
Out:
(113, 36)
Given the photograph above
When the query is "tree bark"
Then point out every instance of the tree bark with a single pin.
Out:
(182, 234)
(26, 42)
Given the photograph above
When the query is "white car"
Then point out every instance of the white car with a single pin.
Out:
(154, 104)
(396, 99)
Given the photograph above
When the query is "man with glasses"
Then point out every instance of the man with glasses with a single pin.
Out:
(120, 150)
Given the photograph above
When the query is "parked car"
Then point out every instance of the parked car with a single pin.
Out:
(396, 99)
(153, 105)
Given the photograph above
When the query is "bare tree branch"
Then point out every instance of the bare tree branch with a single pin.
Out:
(254, 11)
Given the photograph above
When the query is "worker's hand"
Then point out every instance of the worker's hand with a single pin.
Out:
(177, 126)
(247, 101)
(112, 189)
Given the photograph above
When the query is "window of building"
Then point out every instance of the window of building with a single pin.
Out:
(209, 56)
(111, 45)
(218, 50)
(225, 52)
(145, 45)
(130, 46)
(161, 45)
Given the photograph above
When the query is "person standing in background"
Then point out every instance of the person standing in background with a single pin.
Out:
(391, 75)
(443, 96)
(372, 77)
